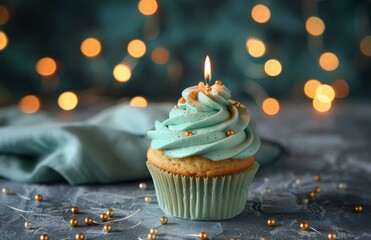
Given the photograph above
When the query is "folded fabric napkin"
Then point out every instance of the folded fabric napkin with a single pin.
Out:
(109, 147)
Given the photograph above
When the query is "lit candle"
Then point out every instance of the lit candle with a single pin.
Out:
(207, 70)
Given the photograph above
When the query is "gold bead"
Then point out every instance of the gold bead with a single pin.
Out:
(73, 222)
(147, 199)
(316, 189)
(203, 235)
(163, 220)
(80, 236)
(271, 222)
(267, 191)
(304, 226)
(358, 208)
(44, 236)
(218, 82)
(230, 132)
(107, 228)
(110, 213)
(311, 194)
(331, 236)
(182, 100)
(194, 95)
(143, 185)
(88, 221)
(5, 190)
(342, 185)
(176, 106)
(264, 238)
(151, 236)
(153, 230)
(38, 198)
(208, 88)
(201, 84)
(189, 133)
(317, 178)
(304, 201)
(298, 181)
(75, 210)
(28, 224)
(233, 238)
(103, 217)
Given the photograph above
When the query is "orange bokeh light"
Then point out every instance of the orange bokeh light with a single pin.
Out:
(136, 48)
(315, 26)
(160, 55)
(138, 102)
(260, 13)
(68, 101)
(271, 106)
(365, 46)
(4, 15)
(322, 103)
(29, 104)
(310, 87)
(272, 67)
(329, 61)
(3, 40)
(326, 90)
(341, 88)
(91, 47)
(255, 47)
(46, 66)
(122, 72)
(147, 7)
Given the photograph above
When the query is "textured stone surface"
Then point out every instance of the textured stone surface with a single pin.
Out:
(335, 145)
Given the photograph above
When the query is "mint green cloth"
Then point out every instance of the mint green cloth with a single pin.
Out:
(109, 147)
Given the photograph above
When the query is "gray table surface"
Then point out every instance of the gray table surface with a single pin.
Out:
(335, 145)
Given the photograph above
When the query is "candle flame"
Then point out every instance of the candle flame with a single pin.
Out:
(207, 70)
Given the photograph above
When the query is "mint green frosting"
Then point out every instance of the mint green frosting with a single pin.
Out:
(208, 115)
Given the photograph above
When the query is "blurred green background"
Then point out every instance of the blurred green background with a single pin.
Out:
(259, 49)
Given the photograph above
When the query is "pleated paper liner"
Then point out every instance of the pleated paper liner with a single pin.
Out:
(200, 198)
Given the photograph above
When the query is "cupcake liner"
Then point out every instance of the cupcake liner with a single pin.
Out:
(202, 198)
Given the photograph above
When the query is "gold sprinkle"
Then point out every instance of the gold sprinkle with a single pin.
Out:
(271, 222)
(176, 106)
(304, 225)
(110, 213)
(103, 217)
(304, 201)
(331, 236)
(203, 235)
(317, 178)
(342, 185)
(151, 236)
(358, 208)
(88, 221)
(75, 210)
(208, 88)
(201, 84)
(267, 191)
(311, 194)
(143, 185)
(80, 236)
(38, 198)
(147, 199)
(153, 230)
(44, 236)
(5, 190)
(230, 132)
(218, 82)
(316, 189)
(73, 222)
(189, 133)
(107, 228)
(163, 220)
(194, 95)
(182, 100)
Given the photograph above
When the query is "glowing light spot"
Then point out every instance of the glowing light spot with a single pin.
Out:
(310, 87)
(365, 46)
(322, 103)
(46, 66)
(4, 15)
(147, 7)
(272, 67)
(329, 61)
(29, 104)
(271, 106)
(341, 88)
(3, 40)
(255, 47)
(160, 55)
(315, 26)
(136, 48)
(91, 47)
(122, 72)
(138, 102)
(260, 13)
(68, 101)
(326, 90)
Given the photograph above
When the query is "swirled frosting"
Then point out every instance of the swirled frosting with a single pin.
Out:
(206, 122)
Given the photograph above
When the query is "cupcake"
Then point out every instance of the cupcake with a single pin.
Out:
(201, 158)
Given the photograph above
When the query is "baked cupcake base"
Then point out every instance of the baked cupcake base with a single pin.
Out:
(202, 198)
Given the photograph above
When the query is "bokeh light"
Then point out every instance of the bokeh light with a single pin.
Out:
(260, 13)
(91, 47)
(255, 47)
(315, 26)
(29, 104)
(329, 61)
(341, 88)
(272, 67)
(147, 7)
(271, 106)
(4, 15)
(326, 90)
(137, 48)
(122, 72)
(3, 40)
(160, 55)
(68, 101)
(365, 46)
(46, 66)
(322, 103)
(310, 87)
(138, 101)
